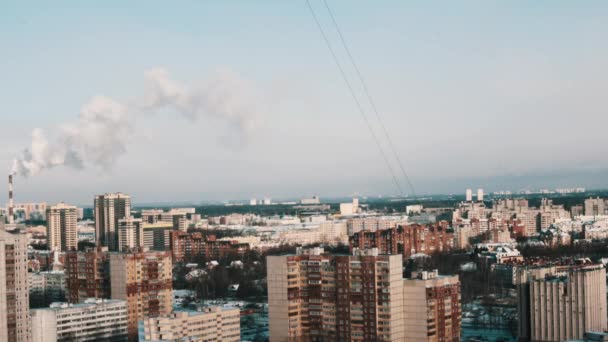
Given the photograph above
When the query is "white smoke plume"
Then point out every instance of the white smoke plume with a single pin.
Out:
(101, 133)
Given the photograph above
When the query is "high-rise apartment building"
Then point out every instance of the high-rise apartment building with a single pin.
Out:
(130, 233)
(144, 280)
(87, 274)
(61, 229)
(110, 208)
(93, 320)
(595, 206)
(157, 236)
(560, 303)
(469, 195)
(313, 296)
(479, 195)
(431, 305)
(14, 289)
(213, 324)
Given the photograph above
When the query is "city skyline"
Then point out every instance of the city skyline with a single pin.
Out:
(514, 105)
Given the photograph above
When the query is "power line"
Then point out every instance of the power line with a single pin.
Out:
(369, 97)
(354, 96)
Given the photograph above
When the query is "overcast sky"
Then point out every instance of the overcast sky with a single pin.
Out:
(491, 93)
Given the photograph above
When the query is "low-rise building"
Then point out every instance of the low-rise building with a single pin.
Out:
(93, 320)
(212, 324)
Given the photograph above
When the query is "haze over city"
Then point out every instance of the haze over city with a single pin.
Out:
(303, 171)
(501, 95)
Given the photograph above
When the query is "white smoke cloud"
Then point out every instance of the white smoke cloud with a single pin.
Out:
(102, 131)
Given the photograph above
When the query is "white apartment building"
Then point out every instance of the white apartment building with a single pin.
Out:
(213, 324)
(565, 306)
(130, 233)
(93, 320)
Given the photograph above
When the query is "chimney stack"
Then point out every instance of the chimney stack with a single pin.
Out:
(11, 204)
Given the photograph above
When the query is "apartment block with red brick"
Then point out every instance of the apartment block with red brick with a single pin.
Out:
(188, 246)
(314, 296)
(87, 274)
(406, 239)
(144, 280)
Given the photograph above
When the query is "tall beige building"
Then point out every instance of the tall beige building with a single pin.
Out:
(558, 303)
(360, 297)
(109, 209)
(14, 288)
(213, 324)
(61, 229)
(595, 206)
(130, 233)
(431, 305)
(144, 280)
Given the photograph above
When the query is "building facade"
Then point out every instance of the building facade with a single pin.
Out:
(144, 280)
(14, 288)
(188, 246)
(87, 274)
(93, 320)
(406, 240)
(109, 208)
(48, 284)
(313, 296)
(213, 324)
(558, 302)
(431, 305)
(61, 229)
(130, 233)
(595, 206)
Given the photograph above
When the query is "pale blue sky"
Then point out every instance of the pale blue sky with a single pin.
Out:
(471, 91)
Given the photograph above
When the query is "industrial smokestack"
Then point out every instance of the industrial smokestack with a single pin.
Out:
(11, 204)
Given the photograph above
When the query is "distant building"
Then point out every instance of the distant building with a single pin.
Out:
(188, 246)
(253, 201)
(130, 233)
(93, 320)
(349, 209)
(14, 289)
(213, 324)
(110, 208)
(406, 239)
(157, 236)
(32, 211)
(595, 206)
(413, 209)
(479, 195)
(61, 229)
(373, 223)
(313, 200)
(469, 195)
(576, 210)
(151, 216)
(144, 280)
(313, 296)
